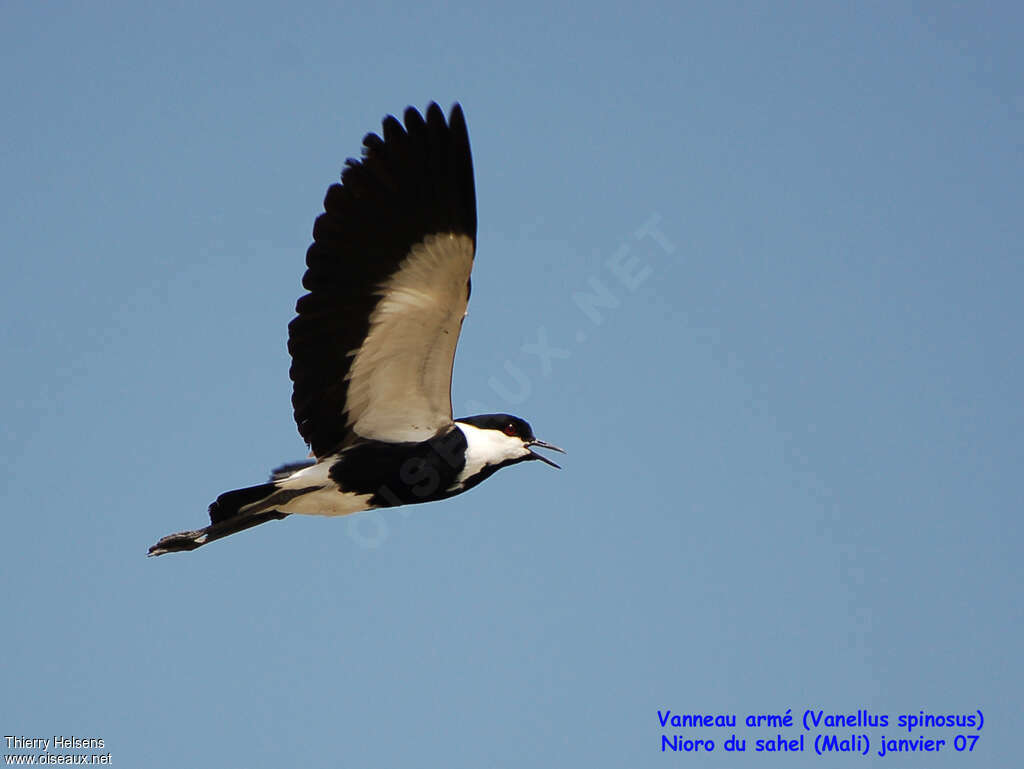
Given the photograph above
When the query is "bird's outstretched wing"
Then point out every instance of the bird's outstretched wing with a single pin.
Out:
(374, 341)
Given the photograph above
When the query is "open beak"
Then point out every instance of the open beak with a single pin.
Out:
(543, 445)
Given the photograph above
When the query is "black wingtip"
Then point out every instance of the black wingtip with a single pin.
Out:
(456, 116)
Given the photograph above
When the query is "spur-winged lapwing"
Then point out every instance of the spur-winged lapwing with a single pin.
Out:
(374, 340)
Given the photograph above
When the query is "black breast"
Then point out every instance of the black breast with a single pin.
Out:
(402, 473)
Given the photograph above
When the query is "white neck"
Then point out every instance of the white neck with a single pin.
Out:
(487, 447)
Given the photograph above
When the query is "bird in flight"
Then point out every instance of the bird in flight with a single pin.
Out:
(373, 342)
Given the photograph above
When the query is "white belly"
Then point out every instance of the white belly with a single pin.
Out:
(326, 500)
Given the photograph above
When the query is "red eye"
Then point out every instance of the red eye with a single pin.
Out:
(510, 429)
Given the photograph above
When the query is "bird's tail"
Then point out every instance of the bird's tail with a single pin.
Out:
(232, 511)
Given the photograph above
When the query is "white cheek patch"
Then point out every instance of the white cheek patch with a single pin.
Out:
(487, 447)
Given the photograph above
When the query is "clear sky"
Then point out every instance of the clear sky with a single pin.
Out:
(793, 412)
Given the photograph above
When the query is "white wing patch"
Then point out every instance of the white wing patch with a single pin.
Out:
(401, 376)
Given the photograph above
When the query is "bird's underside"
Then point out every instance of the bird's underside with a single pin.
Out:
(365, 476)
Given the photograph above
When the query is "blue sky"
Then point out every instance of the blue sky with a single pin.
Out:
(793, 420)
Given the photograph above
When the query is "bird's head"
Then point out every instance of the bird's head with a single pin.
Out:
(502, 439)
